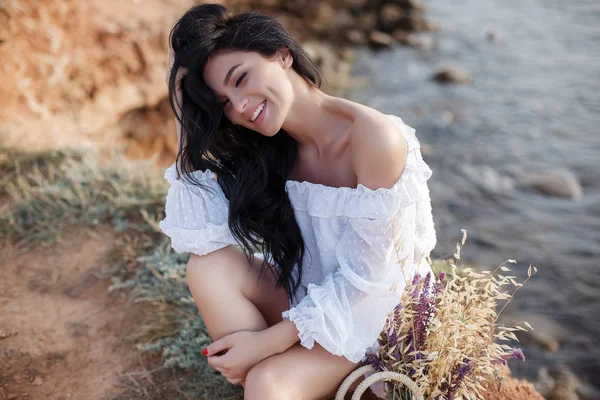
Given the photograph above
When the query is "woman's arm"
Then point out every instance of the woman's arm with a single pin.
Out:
(235, 354)
(280, 337)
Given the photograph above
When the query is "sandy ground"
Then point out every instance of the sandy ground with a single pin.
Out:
(61, 331)
(63, 335)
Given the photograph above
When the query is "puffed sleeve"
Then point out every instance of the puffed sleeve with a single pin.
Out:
(196, 219)
(346, 312)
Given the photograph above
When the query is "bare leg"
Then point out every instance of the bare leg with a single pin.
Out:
(229, 295)
(230, 298)
(298, 374)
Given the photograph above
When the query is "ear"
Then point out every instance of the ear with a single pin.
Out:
(285, 57)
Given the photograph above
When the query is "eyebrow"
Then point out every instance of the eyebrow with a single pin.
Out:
(229, 74)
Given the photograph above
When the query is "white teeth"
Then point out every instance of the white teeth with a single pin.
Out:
(258, 110)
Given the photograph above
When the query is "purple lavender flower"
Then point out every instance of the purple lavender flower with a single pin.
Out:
(440, 283)
(515, 354)
(374, 361)
(416, 279)
(458, 375)
(425, 309)
(397, 311)
(396, 354)
(518, 354)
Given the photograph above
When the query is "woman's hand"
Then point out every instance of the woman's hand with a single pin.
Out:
(244, 349)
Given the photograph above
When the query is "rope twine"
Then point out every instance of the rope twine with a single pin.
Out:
(378, 376)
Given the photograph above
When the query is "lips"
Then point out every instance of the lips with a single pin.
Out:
(258, 110)
(259, 121)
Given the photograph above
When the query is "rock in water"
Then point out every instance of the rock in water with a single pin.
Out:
(556, 182)
(390, 16)
(452, 75)
(380, 39)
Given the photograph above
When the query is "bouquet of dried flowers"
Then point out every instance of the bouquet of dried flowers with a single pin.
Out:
(444, 333)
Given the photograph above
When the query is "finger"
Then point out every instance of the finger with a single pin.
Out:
(218, 362)
(225, 372)
(233, 378)
(224, 343)
(181, 71)
(171, 58)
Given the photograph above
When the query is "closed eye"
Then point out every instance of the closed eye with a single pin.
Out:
(237, 83)
(239, 80)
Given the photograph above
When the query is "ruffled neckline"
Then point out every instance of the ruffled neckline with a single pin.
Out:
(325, 201)
(321, 200)
(412, 141)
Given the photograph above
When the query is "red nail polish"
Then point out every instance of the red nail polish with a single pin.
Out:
(205, 352)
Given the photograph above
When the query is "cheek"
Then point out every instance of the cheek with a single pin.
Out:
(277, 92)
(286, 92)
(261, 85)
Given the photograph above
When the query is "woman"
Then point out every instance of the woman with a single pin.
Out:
(326, 188)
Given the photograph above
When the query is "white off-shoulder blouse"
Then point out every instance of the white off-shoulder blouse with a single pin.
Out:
(352, 274)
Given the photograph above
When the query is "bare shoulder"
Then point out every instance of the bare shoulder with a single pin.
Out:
(379, 149)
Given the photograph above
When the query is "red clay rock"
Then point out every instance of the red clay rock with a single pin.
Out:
(511, 389)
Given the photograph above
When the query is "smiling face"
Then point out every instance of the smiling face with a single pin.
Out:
(256, 91)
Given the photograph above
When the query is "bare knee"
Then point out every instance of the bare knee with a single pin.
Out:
(209, 273)
(263, 382)
(215, 281)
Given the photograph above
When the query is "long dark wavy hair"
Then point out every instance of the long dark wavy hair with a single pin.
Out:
(251, 168)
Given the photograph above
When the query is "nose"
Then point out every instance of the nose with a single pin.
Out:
(239, 103)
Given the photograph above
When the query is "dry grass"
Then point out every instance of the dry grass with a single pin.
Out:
(444, 334)
(50, 193)
(15, 163)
